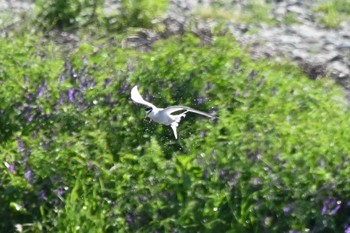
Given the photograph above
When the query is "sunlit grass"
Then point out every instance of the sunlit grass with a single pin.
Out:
(333, 13)
(254, 12)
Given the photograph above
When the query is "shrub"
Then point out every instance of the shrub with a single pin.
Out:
(78, 155)
(67, 14)
(136, 13)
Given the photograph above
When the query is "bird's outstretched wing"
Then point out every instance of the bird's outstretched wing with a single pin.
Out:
(172, 109)
(137, 98)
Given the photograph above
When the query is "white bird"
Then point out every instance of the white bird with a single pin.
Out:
(164, 115)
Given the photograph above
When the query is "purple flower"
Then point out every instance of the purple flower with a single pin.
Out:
(60, 191)
(12, 168)
(129, 218)
(29, 175)
(29, 97)
(330, 206)
(41, 90)
(31, 118)
(84, 84)
(66, 65)
(347, 229)
(71, 93)
(42, 195)
(108, 82)
(62, 78)
(287, 209)
(26, 109)
(91, 83)
(60, 101)
(124, 88)
(256, 181)
(335, 210)
(20, 146)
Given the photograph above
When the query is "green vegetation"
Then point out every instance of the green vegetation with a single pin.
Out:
(333, 12)
(73, 14)
(78, 156)
(253, 12)
(67, 14)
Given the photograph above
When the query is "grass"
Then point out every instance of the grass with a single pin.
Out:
(333, 13)
(78, 155)
(253, 12)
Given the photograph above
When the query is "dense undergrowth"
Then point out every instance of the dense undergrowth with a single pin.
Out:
(78, 156)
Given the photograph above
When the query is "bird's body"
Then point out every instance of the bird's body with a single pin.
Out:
(164, 116)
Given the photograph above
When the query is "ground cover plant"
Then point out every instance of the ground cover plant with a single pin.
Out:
(333, 13)
(78, 156)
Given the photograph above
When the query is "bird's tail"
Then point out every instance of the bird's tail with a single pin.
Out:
(175, 124)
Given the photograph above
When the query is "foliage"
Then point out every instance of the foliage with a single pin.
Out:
(72, 14)
(78, 155)
(136, 13)
(67, 14)
(251, 12)
(333, 13)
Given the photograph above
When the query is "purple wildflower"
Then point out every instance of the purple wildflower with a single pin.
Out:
(41, 90)
(335, 210)
(71, 93)
(29, 175)
(347, 229)
(12, 168)
(20, 146)
(42, 195)
(124, 88)
(31, 118)
(60, 191)
(330, 206)
(108, 82)
(66, 65)
(256, 181)
(287, 209)
(30, 97)
(84, 84)
(129, 218)
(62, 78)
(60, 101)
(92, 83)
(26, 109)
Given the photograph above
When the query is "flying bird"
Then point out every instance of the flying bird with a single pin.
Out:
(164, 115)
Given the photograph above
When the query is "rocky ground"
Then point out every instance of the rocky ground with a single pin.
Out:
(318, 50)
